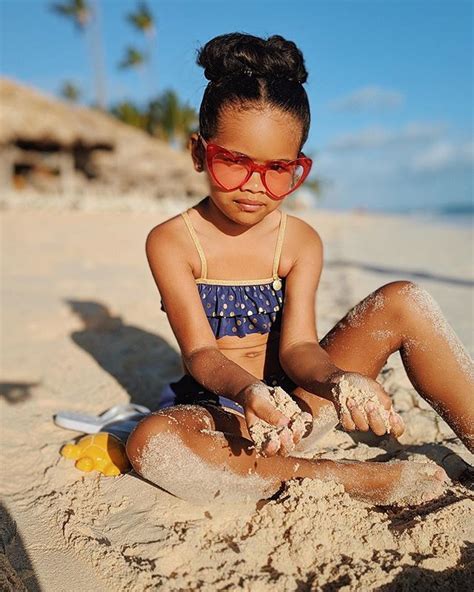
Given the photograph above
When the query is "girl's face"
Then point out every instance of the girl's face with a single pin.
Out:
(263, 135)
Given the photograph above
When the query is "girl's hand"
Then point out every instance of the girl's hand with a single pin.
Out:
(257, 404)
(372, 408)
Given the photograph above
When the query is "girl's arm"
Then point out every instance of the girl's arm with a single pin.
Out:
(310, 367)
(301, 356)
(165, 249)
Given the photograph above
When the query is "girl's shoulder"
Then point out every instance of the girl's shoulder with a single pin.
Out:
(170, 229)
(300, 233)
(166, 242)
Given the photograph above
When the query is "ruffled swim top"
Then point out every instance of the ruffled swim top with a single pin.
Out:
(240, 307)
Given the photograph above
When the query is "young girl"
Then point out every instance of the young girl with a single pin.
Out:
(238, 280)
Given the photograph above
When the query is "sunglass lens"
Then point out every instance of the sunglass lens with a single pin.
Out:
(228, 171)
(282, 179)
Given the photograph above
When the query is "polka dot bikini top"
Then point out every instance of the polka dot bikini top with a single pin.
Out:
(240, 307)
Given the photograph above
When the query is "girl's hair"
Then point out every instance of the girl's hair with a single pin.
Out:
(250, 72)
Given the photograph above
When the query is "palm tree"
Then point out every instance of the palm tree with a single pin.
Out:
(133, 59)
(169, 120)
(79, 11)
(143, 21)
(164, 117)
(129, 113)
(83, 15)
(189, 124)
(70, 92)
(316, 186)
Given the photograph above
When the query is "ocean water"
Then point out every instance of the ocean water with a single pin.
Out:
(461, 215)
(461, 220)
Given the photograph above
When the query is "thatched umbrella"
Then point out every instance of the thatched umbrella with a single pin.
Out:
(118, 156)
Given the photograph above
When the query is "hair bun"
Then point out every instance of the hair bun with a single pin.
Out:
(240, 54)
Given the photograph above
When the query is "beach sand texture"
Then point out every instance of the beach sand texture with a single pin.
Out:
(82, 329)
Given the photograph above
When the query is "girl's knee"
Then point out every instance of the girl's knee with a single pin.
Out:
(151, 425)
(175, 420)
(392, 297)
(396, 292)
(409, 300)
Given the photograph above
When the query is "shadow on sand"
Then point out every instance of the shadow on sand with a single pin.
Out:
(16, 392)
(140, 361)
(16, 570)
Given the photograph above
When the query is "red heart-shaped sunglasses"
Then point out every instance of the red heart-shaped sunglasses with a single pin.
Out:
(231, 170)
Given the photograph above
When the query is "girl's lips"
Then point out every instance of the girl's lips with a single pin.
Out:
(252, 207)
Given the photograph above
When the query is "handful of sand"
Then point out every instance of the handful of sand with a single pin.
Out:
(264, 433)
(356, 388)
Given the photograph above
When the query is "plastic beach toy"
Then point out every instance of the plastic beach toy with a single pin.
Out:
(98, 452)
(92, 424)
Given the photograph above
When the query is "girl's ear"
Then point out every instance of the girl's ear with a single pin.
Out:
(196, 152)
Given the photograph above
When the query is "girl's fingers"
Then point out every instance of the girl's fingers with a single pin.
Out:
(297, 434)
(346, 421)
(375, 421)
(384, 399)
(250, 417)
(397, 424)
(271, 449)
(288, 438)
(286, 442)
(365, 417)
(358, 416)
(269, 413)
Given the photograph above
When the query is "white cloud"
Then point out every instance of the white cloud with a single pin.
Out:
(443, 155)
(422, 130)
(373, 98)
(368, 138)
(378, 137)
(420, 164)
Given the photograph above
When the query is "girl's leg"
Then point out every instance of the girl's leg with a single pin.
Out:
(190, 450)
(403, 316)
(201, 454)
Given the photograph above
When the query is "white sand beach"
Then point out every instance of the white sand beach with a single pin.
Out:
(82, 330)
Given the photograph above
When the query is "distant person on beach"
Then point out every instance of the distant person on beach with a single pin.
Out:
(238, 279)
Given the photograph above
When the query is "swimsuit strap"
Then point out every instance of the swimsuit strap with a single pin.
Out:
(193, 234)
(278, 248)
(279, 245)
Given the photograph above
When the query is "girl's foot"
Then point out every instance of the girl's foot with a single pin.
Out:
(394, 483)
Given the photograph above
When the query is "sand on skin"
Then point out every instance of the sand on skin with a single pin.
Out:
(82, 329)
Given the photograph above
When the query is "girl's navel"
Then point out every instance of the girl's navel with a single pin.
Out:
(254, 354)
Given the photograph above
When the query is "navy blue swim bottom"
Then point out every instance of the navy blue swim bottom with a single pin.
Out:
(187, 391)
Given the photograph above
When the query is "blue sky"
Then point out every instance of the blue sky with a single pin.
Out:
(390, 81)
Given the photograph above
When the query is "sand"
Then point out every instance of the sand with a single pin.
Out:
(82, 329)
(264, 434)
(352, 387)
(197, 481)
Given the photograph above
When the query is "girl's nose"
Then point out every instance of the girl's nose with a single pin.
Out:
(254, 184)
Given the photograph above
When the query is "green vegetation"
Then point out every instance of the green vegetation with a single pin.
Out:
(133, 59)
(78, 11)
(163, 117)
